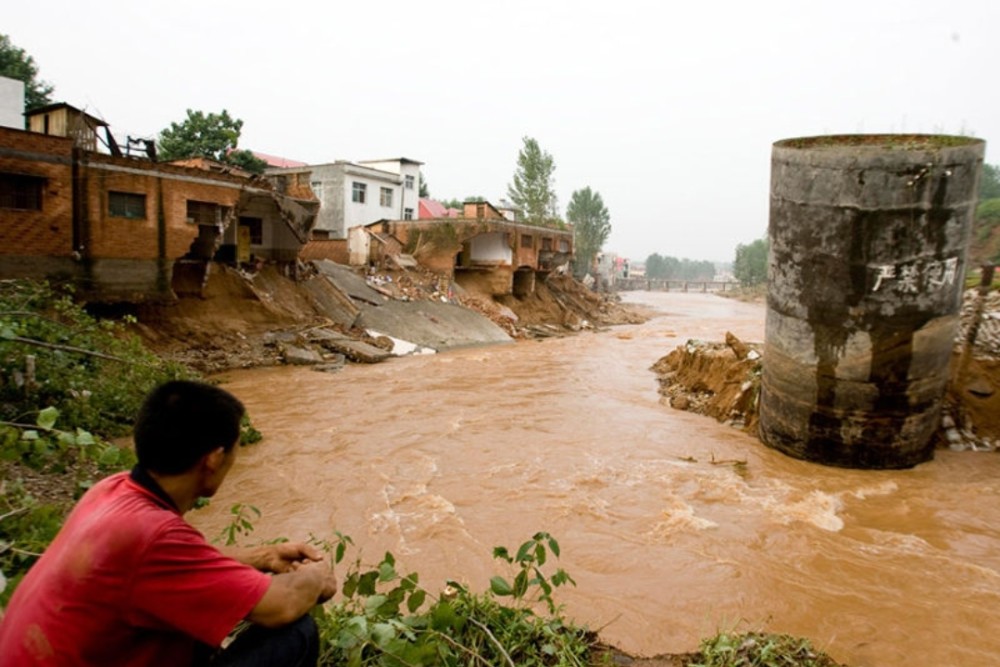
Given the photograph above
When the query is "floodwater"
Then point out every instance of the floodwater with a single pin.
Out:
(440, 458)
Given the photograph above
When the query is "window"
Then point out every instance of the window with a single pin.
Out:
(317, 188)
(385, 197)
(21, 192)
(527, 241)
(407, 214)
(563, 245)
(546, 244)
(205, 213)
(256, 226)
(358, 192)
(409, 182)
(127, 205)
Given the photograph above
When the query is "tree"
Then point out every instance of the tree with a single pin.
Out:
(591, 226)
(16, 64)
(750, 266)
(532, 190)
(989, 184)
(213, 136)
(423, 192)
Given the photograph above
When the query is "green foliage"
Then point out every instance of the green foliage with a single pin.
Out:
(532, 189)
(750, 265)
(757, 649)
(989, 209)
(246, 161)
(15, 63)
(43, 447)
(27, 525)
(241, 523)
(591, 226)
(387, 618)
(54, 354)
(423, 191)
(671, 268)
(213, 135)
(989, 183)
(248, 434)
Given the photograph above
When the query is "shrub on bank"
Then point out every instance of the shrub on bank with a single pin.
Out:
(67, 381)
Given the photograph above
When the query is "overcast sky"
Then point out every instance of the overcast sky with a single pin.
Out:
(668, 110)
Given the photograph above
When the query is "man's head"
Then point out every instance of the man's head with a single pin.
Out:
(181, 422)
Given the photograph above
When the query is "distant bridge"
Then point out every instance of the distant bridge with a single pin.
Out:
(661, 285)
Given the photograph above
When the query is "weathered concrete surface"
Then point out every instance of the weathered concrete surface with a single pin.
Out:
(432, 324)
(868, 240)
(349, 282)
(331, 301)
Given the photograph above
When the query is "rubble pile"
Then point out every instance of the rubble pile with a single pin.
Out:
(720, 380)
(988, 335)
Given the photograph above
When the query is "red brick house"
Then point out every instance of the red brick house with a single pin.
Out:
(118, 227)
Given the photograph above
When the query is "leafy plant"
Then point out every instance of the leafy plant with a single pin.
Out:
(387, 618)
(26, 529)
(44, 447)
(758, 649)
(241, 523)
(53, 353)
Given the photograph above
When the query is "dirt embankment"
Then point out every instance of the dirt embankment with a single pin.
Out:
(265, 318)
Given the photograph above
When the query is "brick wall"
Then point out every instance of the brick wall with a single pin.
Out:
(48, 232)
(171, 187)
(332, 249)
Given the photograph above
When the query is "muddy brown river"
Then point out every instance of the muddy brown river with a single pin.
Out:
(440, 458)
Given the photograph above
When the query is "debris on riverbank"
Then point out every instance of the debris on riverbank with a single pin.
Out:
(722, 380)
(241, 319)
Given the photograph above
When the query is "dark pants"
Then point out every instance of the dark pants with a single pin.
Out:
(294, 645)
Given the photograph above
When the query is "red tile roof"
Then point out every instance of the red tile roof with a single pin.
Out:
(430, 208)
(282, 162)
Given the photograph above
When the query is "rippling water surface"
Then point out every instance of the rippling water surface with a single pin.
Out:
(440, 458)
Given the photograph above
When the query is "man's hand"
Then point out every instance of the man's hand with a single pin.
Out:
(276, 558)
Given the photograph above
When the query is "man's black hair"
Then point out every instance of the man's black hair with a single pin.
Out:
(181, 421)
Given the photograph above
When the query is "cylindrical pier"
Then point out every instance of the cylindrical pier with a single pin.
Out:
(868, 241)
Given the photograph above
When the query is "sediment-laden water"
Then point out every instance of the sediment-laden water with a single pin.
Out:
(440, 458)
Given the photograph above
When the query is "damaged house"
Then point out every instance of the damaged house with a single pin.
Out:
(351, 194)
(482, 249)
(124, 227)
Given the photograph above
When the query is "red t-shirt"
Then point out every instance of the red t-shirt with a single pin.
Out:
(126, 582)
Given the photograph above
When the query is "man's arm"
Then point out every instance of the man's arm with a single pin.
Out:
(292, 594)
(278, 558)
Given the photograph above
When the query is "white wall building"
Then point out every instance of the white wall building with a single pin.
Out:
(358, 193)
(11, 103)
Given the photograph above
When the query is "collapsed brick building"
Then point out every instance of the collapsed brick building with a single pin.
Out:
(125, 227)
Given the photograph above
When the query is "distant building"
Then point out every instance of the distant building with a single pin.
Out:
(11, 103)
(354, 193)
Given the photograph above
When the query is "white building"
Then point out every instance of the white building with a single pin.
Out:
(11, 103)
(355, 193)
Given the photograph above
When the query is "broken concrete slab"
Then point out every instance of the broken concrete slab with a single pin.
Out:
(355, 350)
(300, 356)
(330, 301)
(349, 282)
(432, 324)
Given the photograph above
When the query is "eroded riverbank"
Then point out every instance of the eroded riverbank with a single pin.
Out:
(668, 534)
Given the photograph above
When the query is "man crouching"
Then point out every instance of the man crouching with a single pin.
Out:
(127, 581)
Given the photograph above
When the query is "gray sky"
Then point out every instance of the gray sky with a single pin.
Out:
(667, 110)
